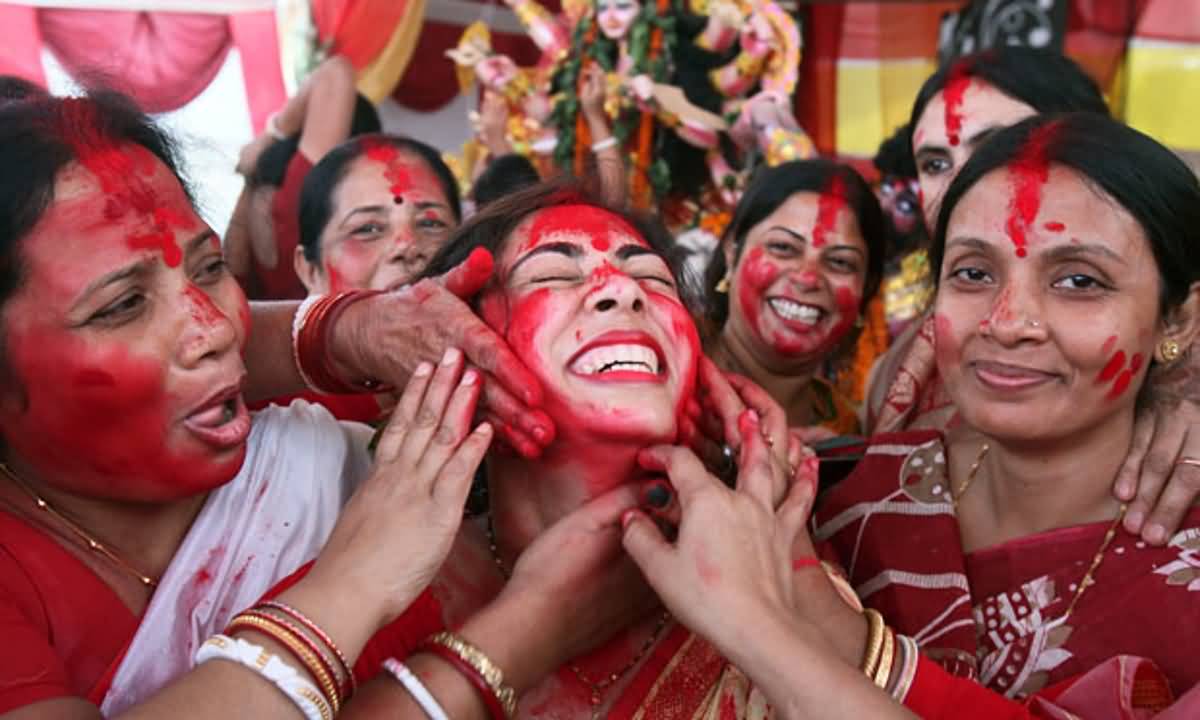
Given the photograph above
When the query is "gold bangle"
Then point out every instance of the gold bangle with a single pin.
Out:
(875, 633)
(281, 635)
(886, 656)
(476, 658)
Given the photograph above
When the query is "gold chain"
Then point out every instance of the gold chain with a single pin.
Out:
(90, 542)
(1088, 577)
(595, 688)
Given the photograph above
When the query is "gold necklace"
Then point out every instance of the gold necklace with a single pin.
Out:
(1088, 577)
(92, 544)
(595, 688)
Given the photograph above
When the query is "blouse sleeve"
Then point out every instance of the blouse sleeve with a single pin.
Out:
(937, 695)
(30, 671)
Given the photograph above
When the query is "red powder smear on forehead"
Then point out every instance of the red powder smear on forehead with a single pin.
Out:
(952, 96)
(1055, 226)
(122, 171)
(597, 222)
(830, 204)
(394, 170)
(1028, 172)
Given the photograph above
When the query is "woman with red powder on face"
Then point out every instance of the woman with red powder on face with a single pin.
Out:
(264, 230)
(586, 296)
(372, 214)
(1014, 578)
(801, 258)
(955, 111)
(143, 512)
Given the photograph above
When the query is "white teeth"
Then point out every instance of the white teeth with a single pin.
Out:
(795, 311)
(638, 358)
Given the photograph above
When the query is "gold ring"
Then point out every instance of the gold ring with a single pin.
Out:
(1188, 461)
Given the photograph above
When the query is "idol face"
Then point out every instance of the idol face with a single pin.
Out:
(389, 217)
(1052, 334)
(953, 125)
(616, 17)
(124, 340)
(595, 314)
(795, 291)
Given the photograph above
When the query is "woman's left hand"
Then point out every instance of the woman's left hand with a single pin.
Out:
(734, 548)
(1158, 485)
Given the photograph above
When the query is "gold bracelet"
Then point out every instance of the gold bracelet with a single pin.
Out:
(886, 657)
(281, 635)
(476, 658)
(875, 633)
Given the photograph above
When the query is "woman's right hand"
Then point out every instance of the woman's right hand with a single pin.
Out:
(396, 531)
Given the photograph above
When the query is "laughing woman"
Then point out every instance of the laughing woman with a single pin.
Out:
(802, 256)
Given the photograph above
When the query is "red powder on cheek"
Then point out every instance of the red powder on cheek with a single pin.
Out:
(1028, 173)
(1121, 385)
(1136, 363)
(1112, 368)
(755, 275)
(1109, 344)
(336, 282)
(104, 418)
(1054, 226)
(829, 205)
(952, 96)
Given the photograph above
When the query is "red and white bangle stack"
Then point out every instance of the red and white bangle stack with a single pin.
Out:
(311, 329)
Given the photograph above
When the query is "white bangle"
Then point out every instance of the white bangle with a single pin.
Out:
(273, 127)
(303, 694)
(298, 321)
(606, 143)
(429, 704)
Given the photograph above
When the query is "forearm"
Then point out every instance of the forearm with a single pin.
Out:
(804, 678)
(270, 368)
(501, 631)
(609, 164)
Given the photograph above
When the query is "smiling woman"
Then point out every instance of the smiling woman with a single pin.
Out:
(800, 259)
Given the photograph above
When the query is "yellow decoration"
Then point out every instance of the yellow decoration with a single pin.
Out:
(377, 80)
(474, 45)
(874, 97)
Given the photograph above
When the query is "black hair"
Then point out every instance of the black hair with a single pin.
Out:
(273, 162)
(895, 157)
(491, 227)
(1145, 178)
(40, 136)
(316, 195)
(503, 175)
(1047, 81)
(770, 188)
(17, 88)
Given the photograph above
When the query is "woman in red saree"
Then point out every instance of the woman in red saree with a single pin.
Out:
(956, 109)
(1066, 268)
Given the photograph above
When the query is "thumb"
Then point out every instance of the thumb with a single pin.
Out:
(469, 276)
(644, 543)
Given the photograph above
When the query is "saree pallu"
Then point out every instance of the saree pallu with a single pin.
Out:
(998, 614)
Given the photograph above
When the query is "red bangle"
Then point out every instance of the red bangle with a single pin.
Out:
(322, 655)
(351, 685)
(312, 344)
(495, 709)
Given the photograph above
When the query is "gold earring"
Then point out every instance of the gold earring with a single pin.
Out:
(723, 284)
(1168, 351)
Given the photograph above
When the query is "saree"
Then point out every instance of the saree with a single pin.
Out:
(301, 467)
(998, 615)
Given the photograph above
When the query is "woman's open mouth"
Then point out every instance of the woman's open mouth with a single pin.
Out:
(223, 422)
(620, 356)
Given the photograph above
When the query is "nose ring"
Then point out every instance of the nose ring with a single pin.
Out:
(1032, 323)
